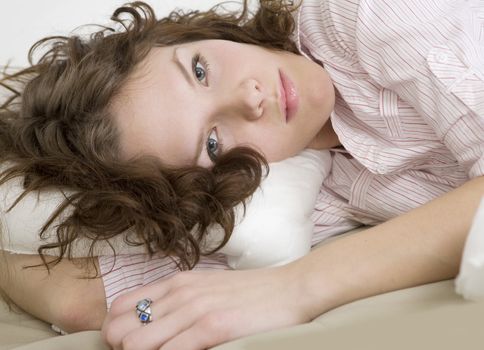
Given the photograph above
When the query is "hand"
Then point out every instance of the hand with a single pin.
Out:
(199, 309)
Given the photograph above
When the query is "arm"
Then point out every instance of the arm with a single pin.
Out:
(422, 246)
(433, 60)
(203, 309)
(59, 298)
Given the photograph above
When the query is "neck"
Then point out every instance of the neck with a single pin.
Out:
(326, 138)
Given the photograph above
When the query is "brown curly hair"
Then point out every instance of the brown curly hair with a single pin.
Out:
(56, 130)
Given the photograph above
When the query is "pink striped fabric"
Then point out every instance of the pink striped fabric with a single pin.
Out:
(128, 272)
(409, 111)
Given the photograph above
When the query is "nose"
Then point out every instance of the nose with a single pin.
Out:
(249, 99)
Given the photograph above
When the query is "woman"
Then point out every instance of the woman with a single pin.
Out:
(402, 85)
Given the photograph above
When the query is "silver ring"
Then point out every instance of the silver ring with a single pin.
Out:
(143, 310)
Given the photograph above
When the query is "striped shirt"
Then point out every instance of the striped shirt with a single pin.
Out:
(409, 79)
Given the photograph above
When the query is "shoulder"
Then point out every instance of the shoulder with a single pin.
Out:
(386, 22)
(413, 35)
(328, 26)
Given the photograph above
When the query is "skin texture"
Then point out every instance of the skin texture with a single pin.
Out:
(227, 97)
(59, 297)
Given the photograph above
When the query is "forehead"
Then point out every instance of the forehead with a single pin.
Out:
(152, 114)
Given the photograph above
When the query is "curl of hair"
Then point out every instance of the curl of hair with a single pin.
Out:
(56, 130)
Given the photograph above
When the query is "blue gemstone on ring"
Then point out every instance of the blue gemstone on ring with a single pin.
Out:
(144, 317)
(143, 310)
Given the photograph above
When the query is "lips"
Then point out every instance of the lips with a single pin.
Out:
(289, 97)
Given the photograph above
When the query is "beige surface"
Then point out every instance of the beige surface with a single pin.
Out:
(425, 317)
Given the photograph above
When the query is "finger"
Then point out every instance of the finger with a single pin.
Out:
(190, 339)
(208, 331)
(128, 301)
(156, 333)
(117, 327)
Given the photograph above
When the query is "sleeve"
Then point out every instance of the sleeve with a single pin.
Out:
(126, 272)
(431, 54)
(333, 216)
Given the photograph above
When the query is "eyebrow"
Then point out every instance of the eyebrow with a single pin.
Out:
(189, 79)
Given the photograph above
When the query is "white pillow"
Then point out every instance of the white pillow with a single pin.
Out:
(276, 229)
(21, 225)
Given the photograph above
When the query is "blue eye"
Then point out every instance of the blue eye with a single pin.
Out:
(213, 145)
(199, 72)
(200, 68)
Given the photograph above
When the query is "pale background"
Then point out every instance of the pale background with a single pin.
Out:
(23, 22)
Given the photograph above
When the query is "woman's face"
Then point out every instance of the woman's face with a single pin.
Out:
(188, 103)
